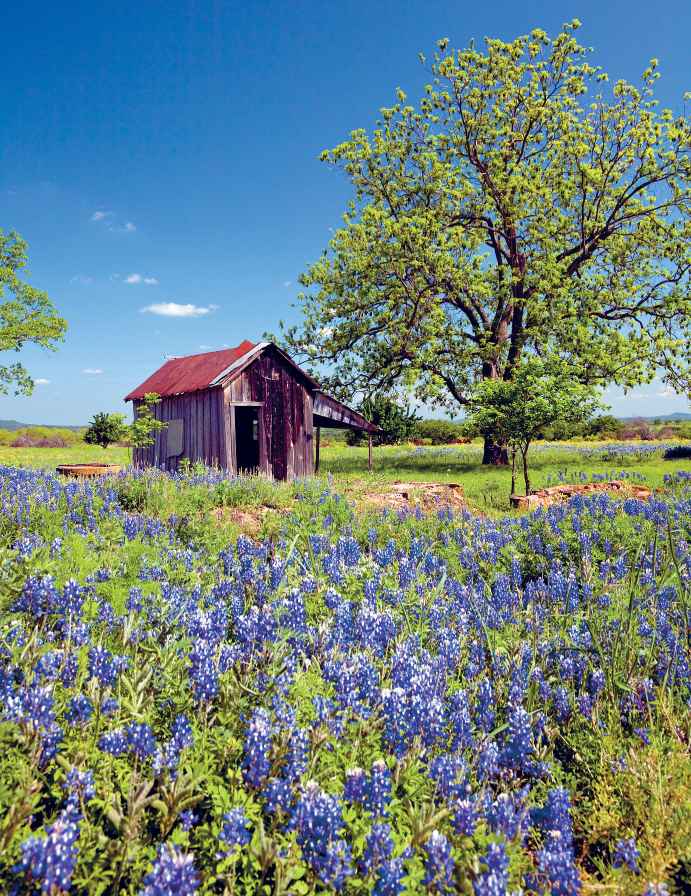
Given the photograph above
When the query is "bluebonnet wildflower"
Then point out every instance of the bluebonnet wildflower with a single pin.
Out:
(188, 819)
(439, 864)
(235, 831)
(318, 822)
(80, 709)
(627, 853)
(51, 860)
(378, 848)
(556, 865)
(173, 874)
(495, 879)
(102, 666)
(113, 742)
(140, 739)
(256, 762)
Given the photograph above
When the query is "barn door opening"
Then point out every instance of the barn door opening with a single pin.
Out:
(247, 439)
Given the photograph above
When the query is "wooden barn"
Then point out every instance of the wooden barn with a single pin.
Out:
(248, 409)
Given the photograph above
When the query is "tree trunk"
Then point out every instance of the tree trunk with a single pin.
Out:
(525, 471)
(495, 454)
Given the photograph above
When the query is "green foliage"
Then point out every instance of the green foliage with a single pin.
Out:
(604, 425)
(521, 206)
(439, 432)
(516, 411)
(104, 429)
(26, 315)
(142, 431)
(396, 422)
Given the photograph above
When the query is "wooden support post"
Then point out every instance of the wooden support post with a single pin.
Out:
(369, 451)
(316, 457)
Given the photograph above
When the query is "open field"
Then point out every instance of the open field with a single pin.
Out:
(348, 702)
(486, 488)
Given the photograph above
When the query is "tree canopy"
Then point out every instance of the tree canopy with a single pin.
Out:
(26, 315)
(524, 207)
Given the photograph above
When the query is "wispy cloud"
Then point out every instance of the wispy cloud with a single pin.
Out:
(109, 218)
(173, 309)
(82, 279)
(138, 278)
(127, 227)
(92, 371)
(41, 381)
(287, 283)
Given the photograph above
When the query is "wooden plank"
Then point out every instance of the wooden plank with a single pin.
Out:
(226, 456)
(339, 414)
(233, 448)
(317, 443)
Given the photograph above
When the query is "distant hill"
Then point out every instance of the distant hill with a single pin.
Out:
(664, 418)
(15, 424)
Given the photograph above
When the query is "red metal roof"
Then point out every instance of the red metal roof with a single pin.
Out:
(190, 373)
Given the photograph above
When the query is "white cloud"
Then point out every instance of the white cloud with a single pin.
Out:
(92, 371)
(129, 227)
(100, 215)
(137, 278)
(82, 279)
(41, 381)
(287, 283)
(173, 309)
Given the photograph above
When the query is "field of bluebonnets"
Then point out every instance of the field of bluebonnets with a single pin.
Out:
(358, 703)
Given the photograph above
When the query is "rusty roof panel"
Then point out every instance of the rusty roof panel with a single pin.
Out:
(191, 373)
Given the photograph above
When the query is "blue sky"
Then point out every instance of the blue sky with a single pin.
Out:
(167, 152)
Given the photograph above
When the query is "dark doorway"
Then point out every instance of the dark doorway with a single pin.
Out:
(247, 439)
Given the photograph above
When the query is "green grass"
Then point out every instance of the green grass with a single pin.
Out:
(486, 488)
(47, 458)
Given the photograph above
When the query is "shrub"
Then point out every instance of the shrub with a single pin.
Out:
(105, 429)
(440, 432)
(397, 423)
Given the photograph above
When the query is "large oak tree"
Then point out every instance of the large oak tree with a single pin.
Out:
(524, 207)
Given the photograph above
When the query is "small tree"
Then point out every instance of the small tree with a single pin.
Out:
(518, 410)
(104, 429)
(397, 423)
(142, 431)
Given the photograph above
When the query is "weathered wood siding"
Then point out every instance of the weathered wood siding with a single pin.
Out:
(285, 417)
(203, 434)
(284, 401)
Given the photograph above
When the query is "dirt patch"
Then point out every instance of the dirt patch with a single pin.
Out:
(428, 496)
(557, 494)
(248, 520)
